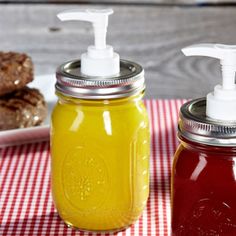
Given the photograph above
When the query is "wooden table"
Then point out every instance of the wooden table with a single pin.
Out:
(148, 32)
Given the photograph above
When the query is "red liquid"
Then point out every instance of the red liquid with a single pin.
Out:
(204, 191)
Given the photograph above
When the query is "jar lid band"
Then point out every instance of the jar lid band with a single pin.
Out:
(71, 82)
(195, 126)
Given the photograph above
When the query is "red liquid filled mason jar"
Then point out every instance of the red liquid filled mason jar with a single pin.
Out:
(204, 175)
(203, 185)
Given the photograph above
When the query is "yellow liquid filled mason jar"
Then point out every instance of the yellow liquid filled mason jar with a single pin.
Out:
(100, 148)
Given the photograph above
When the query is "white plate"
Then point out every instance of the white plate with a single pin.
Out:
(45, 83)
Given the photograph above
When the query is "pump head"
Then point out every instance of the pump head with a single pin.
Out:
(221, 104)
(100, 59)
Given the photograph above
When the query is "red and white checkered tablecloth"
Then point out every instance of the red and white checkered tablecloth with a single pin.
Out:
(25, 200)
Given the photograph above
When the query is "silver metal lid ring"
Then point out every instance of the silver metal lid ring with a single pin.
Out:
(71, 82)
(195, 126)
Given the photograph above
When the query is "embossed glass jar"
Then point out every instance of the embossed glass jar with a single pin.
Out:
(203, 188)
(100, 147)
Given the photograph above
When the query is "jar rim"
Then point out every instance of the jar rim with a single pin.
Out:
(71, 82)
(195, 126)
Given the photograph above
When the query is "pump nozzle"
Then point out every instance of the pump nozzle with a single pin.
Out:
(100, 59)
(221, 104)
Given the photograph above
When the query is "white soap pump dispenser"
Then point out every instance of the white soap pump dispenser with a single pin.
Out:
(100, 59)
(220, 104)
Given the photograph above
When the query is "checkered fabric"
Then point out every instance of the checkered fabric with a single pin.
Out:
(25, 200)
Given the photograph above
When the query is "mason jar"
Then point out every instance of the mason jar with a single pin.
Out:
(100, 148)
(203, 188)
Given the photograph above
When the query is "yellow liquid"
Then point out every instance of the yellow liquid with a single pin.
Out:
(100, 162)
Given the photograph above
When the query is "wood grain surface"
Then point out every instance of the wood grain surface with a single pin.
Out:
(128, 2)
(152, 36)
